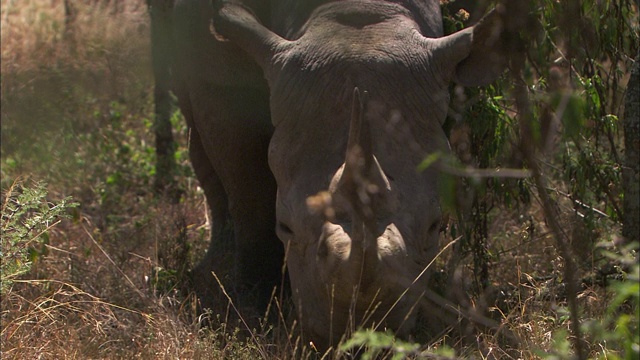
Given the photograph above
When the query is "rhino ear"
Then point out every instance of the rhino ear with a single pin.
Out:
(239, 25)
(488, 55)
(474, 56)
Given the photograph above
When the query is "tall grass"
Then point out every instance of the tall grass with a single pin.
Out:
(76, 112)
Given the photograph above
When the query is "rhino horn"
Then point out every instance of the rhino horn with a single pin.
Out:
(359, 155)
(362, 179)
(357, 184)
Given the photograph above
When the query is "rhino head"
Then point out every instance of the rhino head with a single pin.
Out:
(359, 223)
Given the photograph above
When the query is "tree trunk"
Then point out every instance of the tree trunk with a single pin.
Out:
(631, 171)
(161, 45)
(70, 13)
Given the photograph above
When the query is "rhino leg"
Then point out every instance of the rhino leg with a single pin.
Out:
(217, 206)
(217, 201)
(225, 100)
(221, 236)
(229, 144)
(250, 187)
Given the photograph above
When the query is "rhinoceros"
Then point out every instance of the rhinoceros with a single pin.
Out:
(311, 118)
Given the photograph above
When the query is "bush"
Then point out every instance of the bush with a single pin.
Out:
(27, 216)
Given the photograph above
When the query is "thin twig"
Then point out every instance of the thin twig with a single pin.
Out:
(253, 337)
(133, 286)
(485, 173)
(580, 203)
(604, 186)
(415, 281)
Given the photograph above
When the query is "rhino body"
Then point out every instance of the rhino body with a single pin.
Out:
(281, 140)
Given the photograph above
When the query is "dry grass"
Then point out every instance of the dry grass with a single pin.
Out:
(91, 295)
(112, 282)
(35, 35)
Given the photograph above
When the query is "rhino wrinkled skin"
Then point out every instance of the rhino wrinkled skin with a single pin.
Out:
(312, 121)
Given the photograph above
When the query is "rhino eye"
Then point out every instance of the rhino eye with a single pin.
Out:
(284, 229)
(435, 227)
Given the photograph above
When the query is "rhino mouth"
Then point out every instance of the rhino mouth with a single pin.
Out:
(343, 319)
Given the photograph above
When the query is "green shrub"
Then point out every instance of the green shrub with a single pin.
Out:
(26, 218)
(371, 344)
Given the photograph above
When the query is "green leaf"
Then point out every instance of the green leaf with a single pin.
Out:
(429, 160)
(573, 117)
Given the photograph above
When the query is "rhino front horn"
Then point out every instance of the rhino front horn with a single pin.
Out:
(359, 160)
